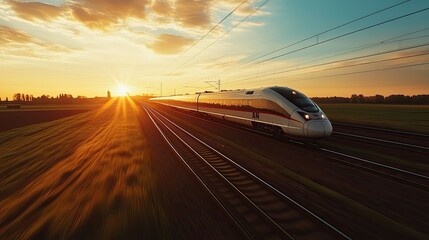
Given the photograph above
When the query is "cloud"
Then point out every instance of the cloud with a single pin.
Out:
(9, 35)
(104, 14)
(185, 13)
(17, 43)
(169, 44)
(162, 7)
(112, 15)
(36, 10)
(93, 20)
(192, 13)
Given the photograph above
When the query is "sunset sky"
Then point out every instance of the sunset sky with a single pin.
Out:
(86, 47)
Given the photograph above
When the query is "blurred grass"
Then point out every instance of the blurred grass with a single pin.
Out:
(413, 118)
(81, 177)
(99, 175)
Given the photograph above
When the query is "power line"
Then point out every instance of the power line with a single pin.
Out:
(345, 34)
(331, 39)
(331, 29)
(359, 72)
(406, 34)
(225, 33)
(372, 62)
(365, 71)
(371, 45)
(333, 62)
(315, 35)
(214, 27)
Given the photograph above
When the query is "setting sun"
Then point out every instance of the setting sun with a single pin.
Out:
(123, 90)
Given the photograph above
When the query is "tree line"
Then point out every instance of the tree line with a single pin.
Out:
(377, 99)
(64, 98)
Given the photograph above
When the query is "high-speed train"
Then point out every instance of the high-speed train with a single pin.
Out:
(279, 110)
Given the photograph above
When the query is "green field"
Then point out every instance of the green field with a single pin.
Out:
(413, 118)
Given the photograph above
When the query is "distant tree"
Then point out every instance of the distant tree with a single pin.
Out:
(398, 99)
(44, 98)
(357, 98)
(109, 95)
(27, 97)
(378, 99)
(7, 99)
(17, 97)
(420, 99)
(353, 98)
(331, 99)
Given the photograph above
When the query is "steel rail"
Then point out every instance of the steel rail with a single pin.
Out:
(248, 200)
(261, 181)
(381, 129)
(234, 219)
(375, 163)
(382, 140)
(337, 153)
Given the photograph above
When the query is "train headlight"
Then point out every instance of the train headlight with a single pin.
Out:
(323, 116)
(305, 115)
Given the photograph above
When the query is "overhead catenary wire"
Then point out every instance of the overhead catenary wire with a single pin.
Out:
(362, 47)
(371, 45)
(310, 37)
(346, 34)
(225, 33)
(362, 29)
(332, 62)
(342, 35)
(359, 72)
(352, 50)
(372, 62)
(365, 71)
(213, 28)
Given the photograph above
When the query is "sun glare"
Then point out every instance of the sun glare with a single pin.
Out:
(123, 90)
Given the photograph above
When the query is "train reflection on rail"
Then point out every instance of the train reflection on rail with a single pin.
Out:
(278, 110)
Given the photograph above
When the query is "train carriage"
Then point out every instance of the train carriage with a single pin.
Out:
(279, 110)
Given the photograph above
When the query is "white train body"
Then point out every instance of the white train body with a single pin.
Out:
(275, 109)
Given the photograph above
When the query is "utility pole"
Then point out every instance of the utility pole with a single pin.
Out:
(161, 89)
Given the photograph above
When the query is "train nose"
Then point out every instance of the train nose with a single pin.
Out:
(318, 129)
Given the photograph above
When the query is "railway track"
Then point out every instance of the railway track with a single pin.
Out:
(260, 210)
(395, 173)
(383, 130)
(383, 142)
(399, 175)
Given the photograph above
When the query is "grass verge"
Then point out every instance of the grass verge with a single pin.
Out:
(412, 118)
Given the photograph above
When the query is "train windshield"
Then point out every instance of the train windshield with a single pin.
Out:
(297, 98)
